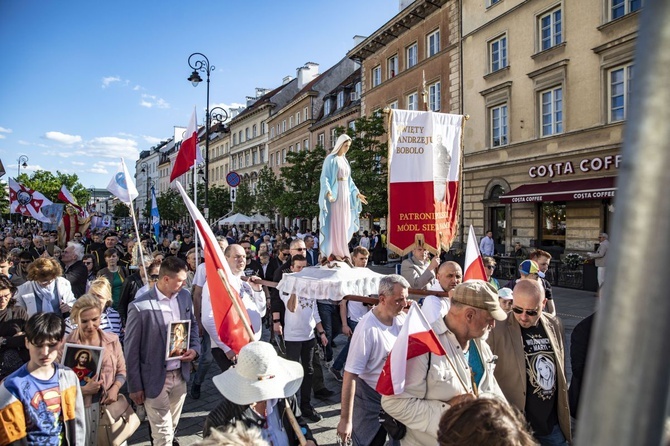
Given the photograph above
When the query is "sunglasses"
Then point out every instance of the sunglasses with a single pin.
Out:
(25, 262)
(300, 249)
(173, 249)
(531, 313)
(491, 266)
(154, 277)
(88, 263)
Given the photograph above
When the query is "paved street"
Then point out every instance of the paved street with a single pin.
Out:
(572, 307)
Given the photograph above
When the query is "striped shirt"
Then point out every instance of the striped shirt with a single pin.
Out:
(110, 321)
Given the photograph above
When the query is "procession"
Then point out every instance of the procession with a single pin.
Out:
(430, 240)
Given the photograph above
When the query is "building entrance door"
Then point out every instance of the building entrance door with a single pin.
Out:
(498, 223)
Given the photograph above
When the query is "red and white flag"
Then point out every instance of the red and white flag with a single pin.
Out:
(474, 264)
(23, 200)
(66, 196)
(229, 324)
(424, 172)
(188, 154)
(415, 339)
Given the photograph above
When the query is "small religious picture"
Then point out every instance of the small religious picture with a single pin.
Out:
(178, 339)
(84, 360)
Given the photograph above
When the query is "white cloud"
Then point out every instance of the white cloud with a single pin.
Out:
(2, 136)
(33, 167)
(62, 138)
(24, 143)
(111, 147)
(78, 163)
(151, 139)
(137, 88)
(150, 101)
(5, 130)
(107, 81)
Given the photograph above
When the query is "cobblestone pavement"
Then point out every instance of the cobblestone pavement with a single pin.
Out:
(572, 306)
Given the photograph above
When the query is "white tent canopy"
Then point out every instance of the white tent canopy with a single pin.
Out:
(235, 219)
(258, 218)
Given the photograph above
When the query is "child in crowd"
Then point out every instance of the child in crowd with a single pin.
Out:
(41, 403)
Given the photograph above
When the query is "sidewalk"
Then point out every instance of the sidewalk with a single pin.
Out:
(572, 306)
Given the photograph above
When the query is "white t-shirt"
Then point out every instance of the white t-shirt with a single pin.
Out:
(356, 310)
(370, 345)
(364, 243)
(434, 307)
(200, 275)
(299, 326)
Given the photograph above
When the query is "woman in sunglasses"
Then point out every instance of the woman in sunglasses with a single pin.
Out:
(110, 321)
(138, 283)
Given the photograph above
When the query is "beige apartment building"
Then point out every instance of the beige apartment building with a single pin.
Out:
(421, 43)
(547, 85)
(219, 153)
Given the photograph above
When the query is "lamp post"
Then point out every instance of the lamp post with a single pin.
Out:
(145, 171)
(200, 63)
(22, 162)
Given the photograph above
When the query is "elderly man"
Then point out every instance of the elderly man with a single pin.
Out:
(435, 383)
(449, 275)
(530, 369)
(75, 271)
(158, 383)
(418, 270)
(252, 296)
(600, 255)
(111, 241)
(370, 345)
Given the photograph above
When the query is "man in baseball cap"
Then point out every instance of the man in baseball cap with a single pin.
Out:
(530, 267)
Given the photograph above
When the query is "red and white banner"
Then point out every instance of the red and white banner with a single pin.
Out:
(474, 264)
(25, 201)
(66, 196)
(415, 339)
(188, 154)
(424, 172)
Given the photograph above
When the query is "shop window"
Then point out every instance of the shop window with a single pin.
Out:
(552, 224)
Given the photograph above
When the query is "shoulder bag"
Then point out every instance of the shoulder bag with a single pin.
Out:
(118, 422)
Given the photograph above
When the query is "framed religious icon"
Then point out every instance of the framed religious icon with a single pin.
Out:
(84, 360)
(178, 339)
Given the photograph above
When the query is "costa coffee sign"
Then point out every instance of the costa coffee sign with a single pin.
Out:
(568, 168)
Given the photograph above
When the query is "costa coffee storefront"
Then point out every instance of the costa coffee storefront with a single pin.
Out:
(562, 206)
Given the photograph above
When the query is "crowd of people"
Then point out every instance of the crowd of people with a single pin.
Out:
(501, 381)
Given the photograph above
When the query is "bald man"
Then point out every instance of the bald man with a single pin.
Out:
(449, 275)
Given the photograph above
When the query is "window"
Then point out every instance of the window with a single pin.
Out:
(619, 92)
(433, 43)
(392, 66)
(234, 139)
(376, 76)
(553, 223)
(434, 96)
(283, 156)
(498, 53)
(326, 107)
(297, 118)
(305, 144)
(290, 122)
(493, 2)
(352, 125)
(340, 99)
(246, 159)
(393, 105)
(254, 132)
(333, 137)
(261, 155)
(620, 8)
(239, 136)
(271, 160)
(321, 139)
(499, 126)
(253, 157)
(290, 148)
(551, 102)
(272, 132)
(297, 147)
(304, 113)
(262, 128)
(413, 101)
(246, 133)
(551, 29)
(357, 91)
(412, 53)
(283, 126)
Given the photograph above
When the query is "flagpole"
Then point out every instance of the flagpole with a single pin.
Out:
(137, 234)
(195, 200)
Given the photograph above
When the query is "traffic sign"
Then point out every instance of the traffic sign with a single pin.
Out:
(233, 179)
(233, 194)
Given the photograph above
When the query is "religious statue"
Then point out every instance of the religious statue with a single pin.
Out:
(70, 224)
(339, 203)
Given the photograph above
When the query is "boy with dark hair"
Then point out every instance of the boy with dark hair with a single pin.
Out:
(41, 403)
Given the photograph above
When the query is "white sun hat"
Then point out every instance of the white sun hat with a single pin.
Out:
(259, 375)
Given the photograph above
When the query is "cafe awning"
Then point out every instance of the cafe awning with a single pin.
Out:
(591, 189)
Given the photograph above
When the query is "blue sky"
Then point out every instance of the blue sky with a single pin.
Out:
(84, 83)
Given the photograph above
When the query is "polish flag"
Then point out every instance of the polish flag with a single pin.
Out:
(229, 323)
(415, 339)
(474, 265)
(189, 153)
(66, 196)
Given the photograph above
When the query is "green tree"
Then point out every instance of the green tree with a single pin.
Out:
(171, 206)
(245, 201)
(301, 176)
(49, 185)
(219, 201)
(268, 192)
(368, 159)
(121, 210)
(4, 200)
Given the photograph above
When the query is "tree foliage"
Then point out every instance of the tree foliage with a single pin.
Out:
(219, 201)
(269, 189)
(171, 206)
(301, 176)
(49, 185)
(368, 159)
(121, 210)
(245, 201)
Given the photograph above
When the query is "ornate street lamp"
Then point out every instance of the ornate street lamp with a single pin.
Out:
(22, 162)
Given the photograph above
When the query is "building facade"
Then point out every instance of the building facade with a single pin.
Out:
(547, 85)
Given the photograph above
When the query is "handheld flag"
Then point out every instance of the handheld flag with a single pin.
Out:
(155, 218)
(25, 201)
(415, 339)
(66, 196)
(122, 186)
(230, 315)
(188, 152)
(474, 265)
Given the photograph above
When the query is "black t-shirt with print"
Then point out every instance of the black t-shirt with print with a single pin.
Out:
(541, 385)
